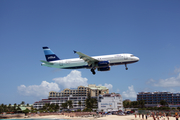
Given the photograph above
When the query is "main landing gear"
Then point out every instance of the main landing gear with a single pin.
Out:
(126, 66)
(93, 71)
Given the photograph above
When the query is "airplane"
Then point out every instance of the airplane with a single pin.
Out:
(101, 63)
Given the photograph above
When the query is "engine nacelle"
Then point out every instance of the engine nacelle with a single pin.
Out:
(104, 69)
(103, 63)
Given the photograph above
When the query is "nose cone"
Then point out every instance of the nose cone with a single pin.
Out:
(137, 58)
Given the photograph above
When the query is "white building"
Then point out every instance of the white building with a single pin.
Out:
(110, 102)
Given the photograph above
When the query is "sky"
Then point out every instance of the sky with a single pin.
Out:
(147, 29)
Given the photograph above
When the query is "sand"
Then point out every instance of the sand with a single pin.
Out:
(108, 117)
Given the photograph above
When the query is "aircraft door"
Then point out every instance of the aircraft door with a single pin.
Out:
(125, 57)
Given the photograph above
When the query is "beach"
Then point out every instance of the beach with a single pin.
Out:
(107, 117)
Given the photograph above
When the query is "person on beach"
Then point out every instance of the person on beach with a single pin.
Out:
(154, 118)
(169, 114)
(143, 116)
(177, 116)
(146, 116)
(135, 115)
(157, 117)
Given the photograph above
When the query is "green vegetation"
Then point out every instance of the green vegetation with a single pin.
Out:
(49, 108)
(141, 105)
(91, 103)
(163, 102)
(79, 103)
(21, 108)
(133, 104)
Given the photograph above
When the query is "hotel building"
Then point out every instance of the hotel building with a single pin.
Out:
(154, 98)
(76, 95)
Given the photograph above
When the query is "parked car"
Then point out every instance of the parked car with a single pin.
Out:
(121, 113)
(128, 112)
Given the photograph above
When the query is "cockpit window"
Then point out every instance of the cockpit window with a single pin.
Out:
(132, 55)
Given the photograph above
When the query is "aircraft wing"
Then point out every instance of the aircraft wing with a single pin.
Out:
(86, 58)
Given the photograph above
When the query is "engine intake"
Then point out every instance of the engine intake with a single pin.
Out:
(104, 69)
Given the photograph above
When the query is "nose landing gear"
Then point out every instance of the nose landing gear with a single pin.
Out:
(126, 66)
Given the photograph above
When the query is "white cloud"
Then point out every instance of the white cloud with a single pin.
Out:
(150, 81)
(177, 70)
(40, 91)
(72, 80)
(169, 82)
(172, 90)
(130, 93)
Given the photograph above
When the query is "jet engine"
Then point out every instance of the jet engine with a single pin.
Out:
(104, 69)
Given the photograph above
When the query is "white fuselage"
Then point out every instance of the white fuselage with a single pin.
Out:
(75, 63)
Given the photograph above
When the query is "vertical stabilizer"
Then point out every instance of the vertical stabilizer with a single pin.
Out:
(50, 56)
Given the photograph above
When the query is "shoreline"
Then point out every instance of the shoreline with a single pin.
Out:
(107, 117)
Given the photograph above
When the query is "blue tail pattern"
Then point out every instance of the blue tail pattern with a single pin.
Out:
(50, 55)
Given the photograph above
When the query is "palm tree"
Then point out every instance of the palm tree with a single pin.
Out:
(14, 108)
(141, 103)
(134, 104)
(126, 103)
(79, 103)
(91, 103)
(32, 109)
(94, 102)
(163, 102)
(69, 103)
(5, 108)
(1, 109)
(9, 108)
(88, 102)
(64, 105)
(52, 106)
(22, 103)
(46, 107)
(18, 108)
(56, 107)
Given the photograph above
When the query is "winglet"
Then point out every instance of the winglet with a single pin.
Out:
(75, 51)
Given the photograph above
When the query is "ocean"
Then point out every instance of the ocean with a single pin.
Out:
(36, 119)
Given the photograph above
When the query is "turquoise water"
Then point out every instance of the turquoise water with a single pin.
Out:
(36, 119)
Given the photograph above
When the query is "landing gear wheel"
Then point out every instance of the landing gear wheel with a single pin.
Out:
(126, 68)
(93, 72)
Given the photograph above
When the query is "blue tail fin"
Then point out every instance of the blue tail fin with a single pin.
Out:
(50, 56)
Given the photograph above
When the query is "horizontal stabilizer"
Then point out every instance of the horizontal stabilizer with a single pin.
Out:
(48, 63)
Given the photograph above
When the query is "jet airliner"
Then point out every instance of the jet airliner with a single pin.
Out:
(101, 63)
